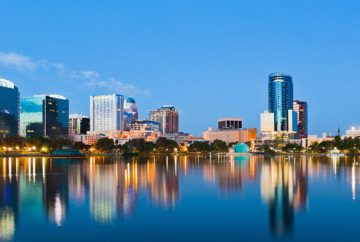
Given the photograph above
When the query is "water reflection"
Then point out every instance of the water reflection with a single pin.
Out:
(111, 188)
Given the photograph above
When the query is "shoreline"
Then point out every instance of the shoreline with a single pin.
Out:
(47, 155)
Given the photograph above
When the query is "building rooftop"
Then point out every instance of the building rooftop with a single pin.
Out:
(58, 96)
(130, 100)
(6, 83)
(279, 75)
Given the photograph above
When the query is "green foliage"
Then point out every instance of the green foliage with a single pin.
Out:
(104, 144)
(136, 146)
(267, 149)
(218, 146)
(80, 146)
(199, 146)
(166, 145)
(292, 148)
(351, 145)
(37, 142)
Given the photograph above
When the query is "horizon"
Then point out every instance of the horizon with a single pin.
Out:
(209, 59)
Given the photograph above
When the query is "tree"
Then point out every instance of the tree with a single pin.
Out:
(136, 146)
(166, 145)
(292, 148)
(267, 149)
(218, 146)
(199, 146)
(104, 144)
(80, 146)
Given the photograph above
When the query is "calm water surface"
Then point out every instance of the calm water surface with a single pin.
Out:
(248, 198)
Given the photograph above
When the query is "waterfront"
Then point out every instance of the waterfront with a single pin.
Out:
(180, 198)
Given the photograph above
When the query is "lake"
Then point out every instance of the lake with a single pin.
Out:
(180, 198)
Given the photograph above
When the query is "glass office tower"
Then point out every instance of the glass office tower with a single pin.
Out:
(9, 109)
(44, 116)
(31, 116)
(280, 99)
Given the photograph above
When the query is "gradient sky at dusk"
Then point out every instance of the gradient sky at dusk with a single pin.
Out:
(210, 59)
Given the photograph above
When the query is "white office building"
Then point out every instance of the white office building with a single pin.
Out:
(107, 113)
(353, 132)
(267, 122)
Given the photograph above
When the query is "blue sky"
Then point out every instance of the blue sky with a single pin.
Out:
(209, 58)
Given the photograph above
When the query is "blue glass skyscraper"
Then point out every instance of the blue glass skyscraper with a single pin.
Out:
(9, 109)
(44, 116)
(280, 99)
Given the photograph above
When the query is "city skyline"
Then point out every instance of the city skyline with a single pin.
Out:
(190, 55)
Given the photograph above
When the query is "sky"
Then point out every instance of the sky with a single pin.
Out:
(208, 58)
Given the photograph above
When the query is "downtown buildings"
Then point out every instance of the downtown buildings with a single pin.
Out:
(285, 118)
(168, 118)
(301, 109)
(9, 109)
(230, 130)
(131, 114)
(78, 125)
(44, 116)
(107, 113)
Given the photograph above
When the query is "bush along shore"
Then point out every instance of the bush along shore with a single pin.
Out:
(18, 146)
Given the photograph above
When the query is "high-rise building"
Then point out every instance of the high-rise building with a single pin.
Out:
(44, 116)
(292, 121)
(168, 118)
(107, 113)
(9, 109)
(280, 99)
(301, 108)
(230, 123)
(78, 124)
(353, 132)
(267, 122)
(130, 112)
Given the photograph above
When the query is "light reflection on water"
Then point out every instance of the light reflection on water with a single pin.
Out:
(104, 191)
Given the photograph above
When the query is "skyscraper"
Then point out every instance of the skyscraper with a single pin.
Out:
(168, 118)
(107, 113)
(44, 116)
(9, 108)
(130, 112)
(301, 108)
(280, 99)
(78, 124)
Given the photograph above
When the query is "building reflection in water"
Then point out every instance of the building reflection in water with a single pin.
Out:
(56, 190)
(284, 187)
(112, 186)
(9, 199)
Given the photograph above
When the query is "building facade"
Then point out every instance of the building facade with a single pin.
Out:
(353, 132)
(130, 112)
(301, 109)
(78, 124)
(168, 118)
(44, 116)
(230, 123)
(107, 113)
(231, 135)
(9, 109)
(280, 99)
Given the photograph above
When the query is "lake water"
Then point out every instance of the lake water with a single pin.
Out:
(178, 198)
